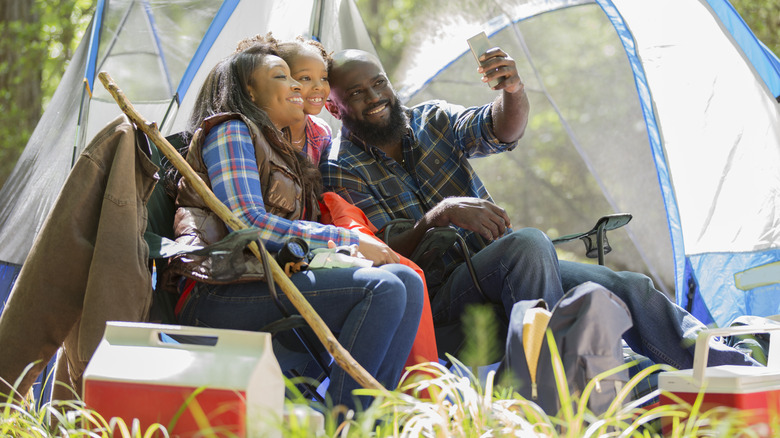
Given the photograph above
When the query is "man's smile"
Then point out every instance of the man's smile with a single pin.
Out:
(377, 109)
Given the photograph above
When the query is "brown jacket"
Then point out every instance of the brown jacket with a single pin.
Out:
(195, 224)
(89, 262)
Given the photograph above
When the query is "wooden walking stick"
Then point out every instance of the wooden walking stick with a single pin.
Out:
(340, 355)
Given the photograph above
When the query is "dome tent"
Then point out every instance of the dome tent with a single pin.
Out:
(666, 109)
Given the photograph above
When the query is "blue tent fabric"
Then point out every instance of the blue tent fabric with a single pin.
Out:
(763, 60)
(8, 274)
(224, 12)
(92, 51)
(730, 301)
(654, 136)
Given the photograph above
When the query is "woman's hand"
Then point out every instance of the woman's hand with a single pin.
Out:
(376, 251)
(372, 249)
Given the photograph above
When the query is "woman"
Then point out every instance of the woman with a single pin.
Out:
(240, 152)
(309, 62)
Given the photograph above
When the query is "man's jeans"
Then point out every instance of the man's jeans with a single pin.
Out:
(524, 266)
(373, 311)
(662, 331)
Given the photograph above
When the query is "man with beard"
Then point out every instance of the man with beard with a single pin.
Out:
(412, 163)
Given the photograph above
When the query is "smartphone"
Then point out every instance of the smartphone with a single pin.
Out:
(480, 44)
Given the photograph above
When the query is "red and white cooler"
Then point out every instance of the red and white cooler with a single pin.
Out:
(754, 390)
(227, 380)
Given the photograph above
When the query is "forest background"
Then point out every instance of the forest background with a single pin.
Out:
(38, 38)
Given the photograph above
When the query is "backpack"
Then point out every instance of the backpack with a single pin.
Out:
(587, 325)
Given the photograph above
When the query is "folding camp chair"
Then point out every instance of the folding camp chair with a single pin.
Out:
(438, 240)
(159, 236)
(604, 224)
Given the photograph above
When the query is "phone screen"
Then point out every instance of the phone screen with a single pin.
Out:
(480, 44)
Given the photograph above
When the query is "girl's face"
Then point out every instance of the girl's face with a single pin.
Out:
(276, 92)
(309, 69)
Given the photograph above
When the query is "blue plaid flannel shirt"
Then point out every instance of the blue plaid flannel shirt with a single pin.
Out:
(229, 155)
(441, 137)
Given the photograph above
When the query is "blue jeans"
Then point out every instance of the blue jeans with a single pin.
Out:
(374, 312)
(662, 331)
(523, 265)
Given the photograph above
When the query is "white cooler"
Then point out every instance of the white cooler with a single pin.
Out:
(754, 390)
(235, 385)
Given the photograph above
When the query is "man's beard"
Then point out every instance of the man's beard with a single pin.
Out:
(375, 134)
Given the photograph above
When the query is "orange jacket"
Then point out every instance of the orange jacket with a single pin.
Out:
(335, 210)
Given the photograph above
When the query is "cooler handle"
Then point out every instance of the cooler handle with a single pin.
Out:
(148, 334)
(703, 342)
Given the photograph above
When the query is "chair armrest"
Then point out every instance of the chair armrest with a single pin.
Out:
(604, 224)
(610, 222)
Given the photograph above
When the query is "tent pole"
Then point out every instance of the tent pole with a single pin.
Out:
(112, 43)
(80, 117)
(174, 101)
(316, 20)
(152, 24)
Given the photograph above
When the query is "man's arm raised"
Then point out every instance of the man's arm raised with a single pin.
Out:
(511, 108)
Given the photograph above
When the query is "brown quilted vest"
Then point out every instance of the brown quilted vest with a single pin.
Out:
(196, 224)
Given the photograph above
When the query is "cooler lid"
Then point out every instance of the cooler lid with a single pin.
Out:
(148, 353)
(722, 379)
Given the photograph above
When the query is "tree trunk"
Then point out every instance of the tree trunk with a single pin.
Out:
(22, 55)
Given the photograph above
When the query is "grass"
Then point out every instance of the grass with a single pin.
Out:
(64, 419)
(457, 404)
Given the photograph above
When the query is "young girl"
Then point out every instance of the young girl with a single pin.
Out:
(309, 63)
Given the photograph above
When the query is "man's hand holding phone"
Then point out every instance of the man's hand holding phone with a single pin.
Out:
(497, 68)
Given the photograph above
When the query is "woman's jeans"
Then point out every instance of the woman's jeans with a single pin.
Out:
(374, 312)
(523, 265)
